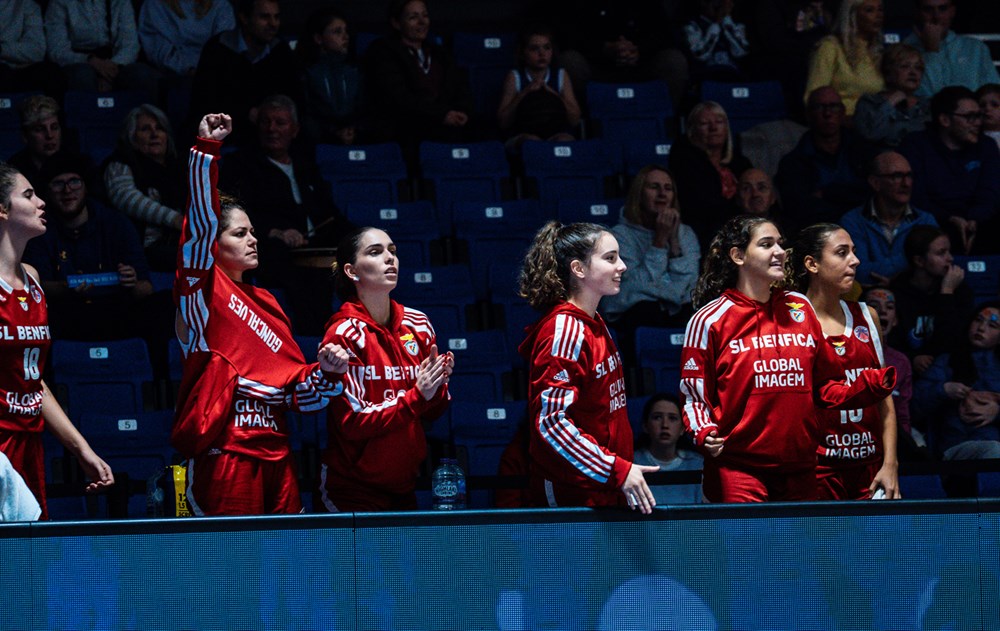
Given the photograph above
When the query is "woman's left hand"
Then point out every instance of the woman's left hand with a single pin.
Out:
(333, 358)
(96, 470)
(887, 479)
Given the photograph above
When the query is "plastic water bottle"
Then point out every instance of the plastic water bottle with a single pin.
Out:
(448, 486)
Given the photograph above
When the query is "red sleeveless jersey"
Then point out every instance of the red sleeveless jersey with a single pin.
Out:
(853, 436)
(24, 347)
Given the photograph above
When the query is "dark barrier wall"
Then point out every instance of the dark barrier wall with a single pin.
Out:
(874, 565)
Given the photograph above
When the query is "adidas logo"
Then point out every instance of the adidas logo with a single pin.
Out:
(562, 375)
(691, 364)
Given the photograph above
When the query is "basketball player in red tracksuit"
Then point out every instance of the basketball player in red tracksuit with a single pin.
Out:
(581, 441)
(857, 454)
(26, 405)
(242, 367)
(753, 369)
(396, 382)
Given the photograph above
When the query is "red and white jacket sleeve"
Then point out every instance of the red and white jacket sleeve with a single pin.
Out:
(698, 379)
(561, 377)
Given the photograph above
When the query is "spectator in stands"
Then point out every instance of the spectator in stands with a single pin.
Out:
(34, 408)
(663, 256)
(931, 298)
(332, 80)
(756, 195)
(910, 441)
(885, 117)
(822, 178)
(173, 32)
(144, 179)
(950, 59)
(416, 91)
(658, 446)
(957, 171)
(397, 384)
(290, 206)
(41, 131)
(240, 67)
(989, 101)
(95, 43)
(610, 41)
(537, 101)
(960, 392)
(581, 441)
(715, 42)
(879, 228)
(783, 34)
(707, 163)
(22, 51)
(849, 59)
(85, 237)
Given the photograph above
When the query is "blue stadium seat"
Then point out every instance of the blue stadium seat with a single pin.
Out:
(466, 172)
(10, 123)
(921, 487)
(498, 232)
(412, 226)
(640, 152)
(565, 170)
(659, 349)
(363, 173)
(106, 377)
(630, 110)
(481, 431)
(747, 103)
(602, 211)
(443, 293)
(635, 405)
(97, 117)
(982, 274)
(134, 444)
(481, 361)
(502, 280)
(487, 58)
(518, 315)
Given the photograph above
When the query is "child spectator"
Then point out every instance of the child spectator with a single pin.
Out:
(989, 101)
(960, 392)
(332, 82)
(537, 102)
(661, 422)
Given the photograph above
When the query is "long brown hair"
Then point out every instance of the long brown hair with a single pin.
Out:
(545, 278)
(718, 271)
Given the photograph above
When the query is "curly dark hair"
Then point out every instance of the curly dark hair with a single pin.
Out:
(718, 271)
(545, 276)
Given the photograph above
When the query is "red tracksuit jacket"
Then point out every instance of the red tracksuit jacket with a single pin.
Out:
(581, 440)
(376, 433)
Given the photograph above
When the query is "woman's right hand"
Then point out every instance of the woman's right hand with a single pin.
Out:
(215, 126)
(333, 358)
(956, 390)
(714, 444)
(433, 372)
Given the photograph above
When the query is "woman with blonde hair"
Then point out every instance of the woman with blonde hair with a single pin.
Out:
(849, 59)
(664, 253)
(709, 163)
(581, 441)
(886, 117)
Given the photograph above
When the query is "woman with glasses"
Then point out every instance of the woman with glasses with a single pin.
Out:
(886, 116)
(848, 60)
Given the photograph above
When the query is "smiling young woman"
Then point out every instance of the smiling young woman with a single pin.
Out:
(581, 441)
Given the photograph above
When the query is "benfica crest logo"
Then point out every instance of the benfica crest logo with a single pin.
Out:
(24, 302)
(795, 310)
(410, 344)
(839, 347)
